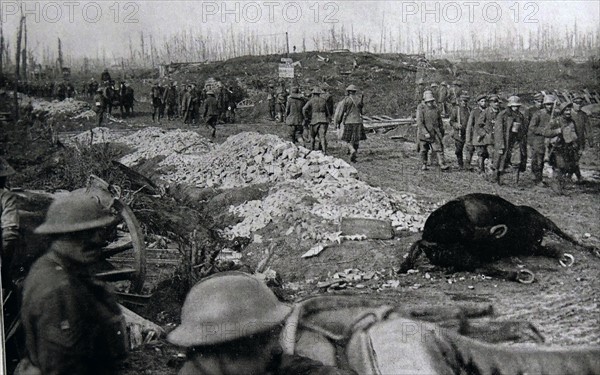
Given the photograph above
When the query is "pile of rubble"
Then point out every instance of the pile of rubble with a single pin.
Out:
(150, 142)
(67, 107)
(311, 191)
(252, 158)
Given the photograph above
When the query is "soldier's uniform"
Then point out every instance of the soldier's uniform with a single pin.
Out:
(470, 133)
(515, 128)
(537, 124)
(483, 136)
(582, 128)
(350, 116)
(459, 119)
(281, 101)
(156, 96)
(316, 109)
(431, 131)
(9, 221)
(564, 145)
(211, 112)
(293, 114)
(73, 324)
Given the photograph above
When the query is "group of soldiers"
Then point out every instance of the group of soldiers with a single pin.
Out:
(555, 132)
(108, 95)
(59, 90)
(186, 102)
(309, 115)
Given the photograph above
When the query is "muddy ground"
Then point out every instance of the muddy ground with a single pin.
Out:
(563, 302)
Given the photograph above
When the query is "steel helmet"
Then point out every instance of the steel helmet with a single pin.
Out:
(514, 101)
(225, 307)
(351, 88)
(5, 168)
(79, 210)
(564, 106)
(428, 96)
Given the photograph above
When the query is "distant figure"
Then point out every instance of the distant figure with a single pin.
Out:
(105, 76)
(349, 115)
(211, 112)
(293, 114)
(316, 109)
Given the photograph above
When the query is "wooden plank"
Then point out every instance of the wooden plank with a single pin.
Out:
(117, 275)
(372, 228)
(378, 118)
(386, 117)
(366, 118)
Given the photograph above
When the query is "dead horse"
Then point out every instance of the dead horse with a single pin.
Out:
(474, 230)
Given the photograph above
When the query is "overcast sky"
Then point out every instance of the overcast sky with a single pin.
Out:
(88, 26)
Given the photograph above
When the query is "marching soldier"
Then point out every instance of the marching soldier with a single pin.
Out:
(564, 144)
(538, 122)
(430, 130)
(350, 116)
(316, 109)
(293, 114)
(72, 323)
(211, 112)
(459, 120)
(510, 129)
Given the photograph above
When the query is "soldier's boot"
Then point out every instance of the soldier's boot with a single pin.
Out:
(461, 163)
(442, 162)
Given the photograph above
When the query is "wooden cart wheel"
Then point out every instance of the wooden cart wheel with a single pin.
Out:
(137, 274)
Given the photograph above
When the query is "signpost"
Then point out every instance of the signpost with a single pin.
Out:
(286, 69)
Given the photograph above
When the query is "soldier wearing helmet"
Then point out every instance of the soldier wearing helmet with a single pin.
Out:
(582, 127)
(293, 114)
(430, 130)
(537, 124)
(484, 131)
(231, 324)
(564, 144)
(211, 111)
(318, 112)
(349, 114)
(458, 120)
(511, 128)
(9, 221)
(72, 323)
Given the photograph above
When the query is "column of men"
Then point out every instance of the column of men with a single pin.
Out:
(557, 132)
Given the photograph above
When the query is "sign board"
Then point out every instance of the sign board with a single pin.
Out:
(287, 60)
(286, 71)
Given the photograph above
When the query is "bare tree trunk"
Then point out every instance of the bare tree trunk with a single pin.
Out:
(24, 52)
(17, 67)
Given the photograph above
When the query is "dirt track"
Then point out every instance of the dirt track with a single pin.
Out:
(563, 303)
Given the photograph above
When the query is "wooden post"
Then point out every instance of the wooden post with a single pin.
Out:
(287, 42)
